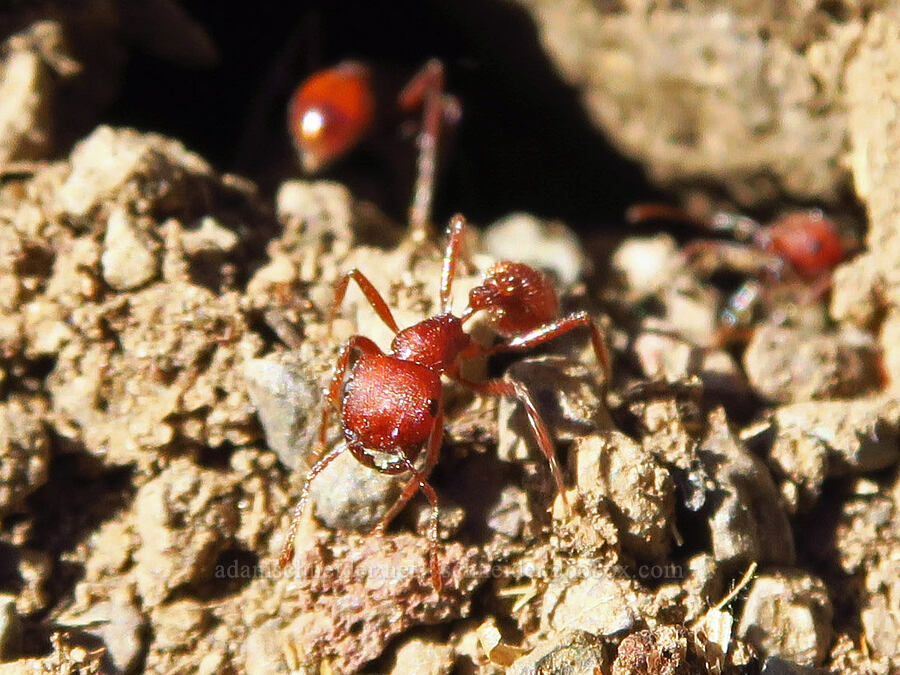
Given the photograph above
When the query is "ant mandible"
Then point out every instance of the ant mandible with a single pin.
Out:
(391, 404)
(334, 109)
(804, 245)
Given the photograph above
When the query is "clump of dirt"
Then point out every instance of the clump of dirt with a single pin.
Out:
(165, 336)
(750, 96)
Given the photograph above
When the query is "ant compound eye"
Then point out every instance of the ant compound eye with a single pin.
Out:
(433, 407)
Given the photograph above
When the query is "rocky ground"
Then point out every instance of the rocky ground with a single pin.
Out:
(165, 337)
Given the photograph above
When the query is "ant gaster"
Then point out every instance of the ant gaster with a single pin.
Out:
(336, 108)
(391, 404)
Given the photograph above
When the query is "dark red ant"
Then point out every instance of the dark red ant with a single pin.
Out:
(336, 108)
(802, 246)
(805, 242)
(391, 405)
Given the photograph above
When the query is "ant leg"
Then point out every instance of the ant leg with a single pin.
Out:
(434, 446)
(735, 317)
(706, 256)
(499, 387)
(741, 227)
(372, 295)
(426, 89)
(287, 551)
(638, 214)
(451, 258)
(548, 331)
(424, 486)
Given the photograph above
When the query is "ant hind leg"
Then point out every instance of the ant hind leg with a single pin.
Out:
(554, 329)
(287, 551)
(434, 446)
(419, 479)
(510, 389)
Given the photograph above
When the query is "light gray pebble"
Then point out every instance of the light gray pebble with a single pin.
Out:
(510, 514)
(548, 246)
(640, 492)
(576, 652)
(121, 628)
(856, 436)
(788, 614)
(264, 650)
(350, 496)
(130, 255)
(288, 399)
(585, 596)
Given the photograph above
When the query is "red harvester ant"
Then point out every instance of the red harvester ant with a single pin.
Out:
(391, 404)
(336, 108)
(802, 246)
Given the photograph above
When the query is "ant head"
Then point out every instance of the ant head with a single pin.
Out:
(517, 297)
(330, 113)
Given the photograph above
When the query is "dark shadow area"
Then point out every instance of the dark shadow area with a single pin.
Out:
(524, 142)
(66, 517)
(233, 571)
(475, 482)
(10, 580)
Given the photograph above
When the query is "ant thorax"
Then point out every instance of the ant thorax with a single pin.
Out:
(436, 342)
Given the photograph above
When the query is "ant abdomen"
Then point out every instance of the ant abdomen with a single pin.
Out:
(330, 113)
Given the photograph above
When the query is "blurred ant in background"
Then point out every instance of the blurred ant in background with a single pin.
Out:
(796, 253)
(336, 109)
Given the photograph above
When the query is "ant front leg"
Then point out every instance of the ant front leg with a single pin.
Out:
(356, 343)
(554, 329)
(434, 446)
(287, 551)
(426, 89)
(376, 301)
(516, 390)
(740, 227)
(425, 487)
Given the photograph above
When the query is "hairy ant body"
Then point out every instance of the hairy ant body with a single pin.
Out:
(391, 404)
(333, 110)
(801, 246)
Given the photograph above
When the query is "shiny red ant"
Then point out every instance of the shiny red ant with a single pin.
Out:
(802, 246)
(391, 404)
(336, 108)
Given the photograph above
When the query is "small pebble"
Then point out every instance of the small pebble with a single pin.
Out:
(788, 614)
(573, 652)
(547, 246)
